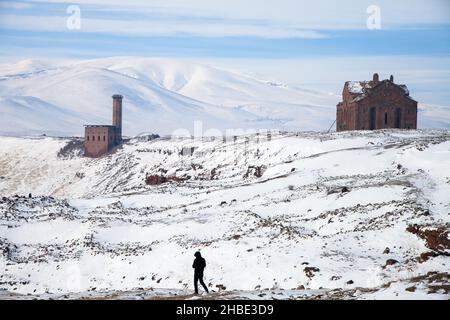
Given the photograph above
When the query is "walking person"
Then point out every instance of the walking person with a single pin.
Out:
(199, 265)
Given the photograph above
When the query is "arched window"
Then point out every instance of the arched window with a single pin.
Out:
(87, 138)
(385, 118)
(93, 138)
(104, 138)
(98, 138)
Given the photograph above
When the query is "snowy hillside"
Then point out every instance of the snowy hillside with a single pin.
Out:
(348, 215)
(160, 95)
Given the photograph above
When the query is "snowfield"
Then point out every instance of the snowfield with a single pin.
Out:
(357, 215)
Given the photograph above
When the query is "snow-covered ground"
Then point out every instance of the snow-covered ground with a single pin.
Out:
(161, 95)
(289, 216)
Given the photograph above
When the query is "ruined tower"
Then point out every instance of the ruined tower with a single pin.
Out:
(117, 116)
(101, 139)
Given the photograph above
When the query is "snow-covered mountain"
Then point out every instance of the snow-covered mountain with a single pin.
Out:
(160, 95)
(309, 215)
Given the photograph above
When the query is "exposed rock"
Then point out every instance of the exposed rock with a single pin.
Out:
(390, 262)
(309, 271)
(436, 238)
(153, 180)
(340, 190)
(425, 256)
(345, 190)
(74, 148)
(256, 171)
(411, 289)
(187, 151)
(221, 287)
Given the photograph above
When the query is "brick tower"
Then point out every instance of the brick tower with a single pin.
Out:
(117, 116)
(101, 139)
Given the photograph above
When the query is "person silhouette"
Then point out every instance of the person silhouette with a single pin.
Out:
(199, 265)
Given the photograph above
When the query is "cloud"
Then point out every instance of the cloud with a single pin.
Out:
(318, 14)
(222, 18)
(15, 5)
(172, 27)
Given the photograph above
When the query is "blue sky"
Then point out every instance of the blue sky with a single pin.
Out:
(316, 44)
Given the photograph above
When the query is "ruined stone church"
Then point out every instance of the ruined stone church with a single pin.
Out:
(375, 104)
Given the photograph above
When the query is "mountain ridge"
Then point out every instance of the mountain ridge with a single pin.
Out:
(160, 95)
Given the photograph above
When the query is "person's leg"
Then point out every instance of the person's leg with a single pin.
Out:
(202, 283)
(196, 283)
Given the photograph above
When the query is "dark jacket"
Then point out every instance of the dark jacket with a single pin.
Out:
(199, 263)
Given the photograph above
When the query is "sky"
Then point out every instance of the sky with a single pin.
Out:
(314, 44)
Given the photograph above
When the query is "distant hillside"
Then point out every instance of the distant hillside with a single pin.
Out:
(160, 95)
